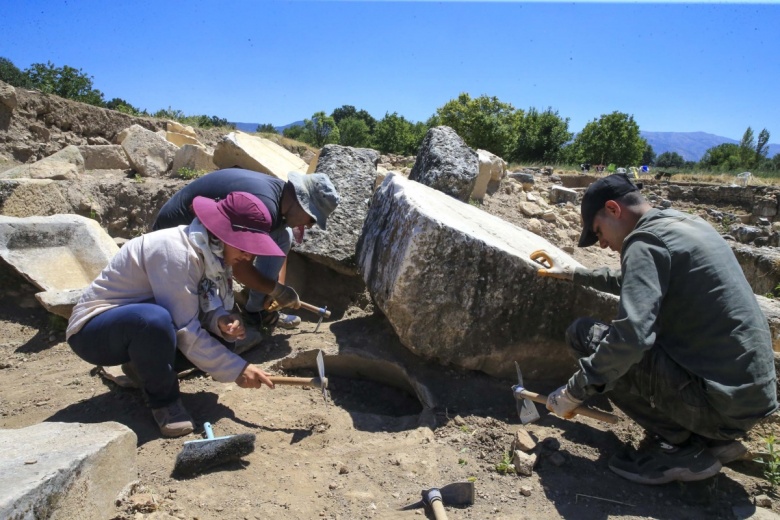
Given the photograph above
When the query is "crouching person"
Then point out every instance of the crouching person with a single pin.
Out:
(166, 299)
(688, 356)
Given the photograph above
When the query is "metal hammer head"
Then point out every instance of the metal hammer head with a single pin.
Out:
(455, 494)
(526, 409)
(321, 373)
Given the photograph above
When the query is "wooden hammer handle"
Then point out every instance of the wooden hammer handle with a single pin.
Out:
(582, 410)
(295, 381)
(316, 310)
(438, 510)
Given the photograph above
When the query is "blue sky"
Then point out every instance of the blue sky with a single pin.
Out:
(712, 67)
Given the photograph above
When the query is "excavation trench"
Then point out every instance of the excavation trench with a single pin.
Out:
(364, 386)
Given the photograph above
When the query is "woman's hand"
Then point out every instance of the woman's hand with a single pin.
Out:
(232, 327)
(253, 377)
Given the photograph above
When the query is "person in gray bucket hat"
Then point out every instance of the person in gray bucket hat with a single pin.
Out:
(316, 194)
(299, 203)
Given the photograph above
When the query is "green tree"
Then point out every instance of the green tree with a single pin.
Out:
(267, 128)
(320, 130)
(293, 132)
(613, 138)
(724, 157)
(11, 74)
(348, 111)
(169, 113)
(65, 82)
(670, 160)
(120, 105)
(484, 122)
(353, 131)
(541, 136)
(774, 163)
(394, 134)
(762, 146)
(747, 149)
(648, 156)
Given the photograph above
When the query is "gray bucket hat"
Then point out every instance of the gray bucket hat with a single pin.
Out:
(316, 194)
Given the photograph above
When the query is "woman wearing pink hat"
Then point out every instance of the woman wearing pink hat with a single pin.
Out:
(170, 291)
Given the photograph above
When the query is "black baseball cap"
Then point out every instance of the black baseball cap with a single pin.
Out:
(598, 193)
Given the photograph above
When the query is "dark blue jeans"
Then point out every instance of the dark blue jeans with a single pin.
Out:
(139, 332)
(659, 394)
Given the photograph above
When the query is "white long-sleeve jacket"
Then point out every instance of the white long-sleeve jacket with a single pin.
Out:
(163, 266)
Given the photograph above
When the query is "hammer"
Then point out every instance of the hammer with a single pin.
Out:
(528, 412)
(320, 382)
(455, 494)
(322, 312)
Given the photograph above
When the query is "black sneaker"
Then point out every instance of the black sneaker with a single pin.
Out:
(264, 320)
(661, 462)
(727, 451)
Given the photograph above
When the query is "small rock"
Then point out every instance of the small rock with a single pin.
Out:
(524, 463)
(523, 440)
(459, 420)
(526, 491)
(763, 501)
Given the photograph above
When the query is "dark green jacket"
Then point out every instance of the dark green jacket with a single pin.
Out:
(682, 290)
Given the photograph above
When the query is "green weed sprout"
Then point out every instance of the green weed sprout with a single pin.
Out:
(771, 461)
(505, 466)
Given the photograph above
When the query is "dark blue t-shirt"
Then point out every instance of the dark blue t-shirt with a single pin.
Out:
(216, 185)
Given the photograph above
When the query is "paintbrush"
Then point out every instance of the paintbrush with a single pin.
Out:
(199, 455)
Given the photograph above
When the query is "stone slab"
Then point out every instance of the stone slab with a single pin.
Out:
(257, 154)
(65, 470)
(56, 253)
(458, 286)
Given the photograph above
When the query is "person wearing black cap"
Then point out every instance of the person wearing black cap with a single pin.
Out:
(299, 203)
(689, 354)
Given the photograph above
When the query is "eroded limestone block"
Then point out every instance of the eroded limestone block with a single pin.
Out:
(104, 157)
(257, 154)
(65, 470)
(446, 163)
(353, 173)
(67, 164)
(56, 253)
(492, 168)
(458, 286)
(149, 153)
(193, 157)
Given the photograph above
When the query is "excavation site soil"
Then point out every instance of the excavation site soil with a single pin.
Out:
(372, 447)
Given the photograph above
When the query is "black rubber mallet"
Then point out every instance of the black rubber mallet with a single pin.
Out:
(200, 455)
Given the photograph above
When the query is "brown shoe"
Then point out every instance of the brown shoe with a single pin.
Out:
(173, 420)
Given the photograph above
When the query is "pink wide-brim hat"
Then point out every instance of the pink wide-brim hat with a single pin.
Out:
(240, 220)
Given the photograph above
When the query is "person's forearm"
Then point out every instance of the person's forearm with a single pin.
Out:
(246, 273)
(601, 279)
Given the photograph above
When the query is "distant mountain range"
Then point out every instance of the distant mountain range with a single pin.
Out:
(690, 145)
(251, 127)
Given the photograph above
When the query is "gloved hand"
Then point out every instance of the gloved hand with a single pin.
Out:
(283, 296)
(562, 404)
(552, 265)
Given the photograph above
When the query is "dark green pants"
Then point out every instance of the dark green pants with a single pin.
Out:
(657, 393)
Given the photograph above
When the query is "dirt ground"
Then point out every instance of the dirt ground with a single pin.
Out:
(368, 452)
